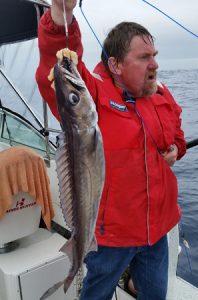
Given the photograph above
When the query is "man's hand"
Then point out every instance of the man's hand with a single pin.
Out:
(57, 11)
(171, 155)
(69, 4)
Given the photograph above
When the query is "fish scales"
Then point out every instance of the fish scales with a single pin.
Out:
(80, 166)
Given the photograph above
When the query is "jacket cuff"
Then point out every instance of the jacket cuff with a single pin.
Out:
(48, 22)
(181, 149)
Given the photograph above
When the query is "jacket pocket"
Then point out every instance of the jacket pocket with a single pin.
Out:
(167, 120)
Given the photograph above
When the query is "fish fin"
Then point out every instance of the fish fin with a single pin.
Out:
(93, 246)
(67, 248)
(52, 290)
(65, 183)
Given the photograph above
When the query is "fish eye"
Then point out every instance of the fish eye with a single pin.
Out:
(73, 98)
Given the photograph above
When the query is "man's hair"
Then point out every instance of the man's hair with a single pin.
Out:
(119, 38)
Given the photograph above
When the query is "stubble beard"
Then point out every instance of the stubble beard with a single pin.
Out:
(149, 89)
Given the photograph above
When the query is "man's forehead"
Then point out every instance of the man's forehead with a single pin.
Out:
(142, 43)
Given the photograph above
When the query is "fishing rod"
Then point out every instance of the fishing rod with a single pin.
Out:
(175, 21)
(192, 143)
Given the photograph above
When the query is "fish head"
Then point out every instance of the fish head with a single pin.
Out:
(74, 101)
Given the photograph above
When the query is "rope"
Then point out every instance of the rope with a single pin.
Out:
(163, 13)
(105, 53)
(80, 3)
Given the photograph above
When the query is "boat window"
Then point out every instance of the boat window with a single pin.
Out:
(16, 131)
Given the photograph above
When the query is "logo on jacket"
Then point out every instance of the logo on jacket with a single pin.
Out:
(118, 106)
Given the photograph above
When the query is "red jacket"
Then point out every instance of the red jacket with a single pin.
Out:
(139, 200)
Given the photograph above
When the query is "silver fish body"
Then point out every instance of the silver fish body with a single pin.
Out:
(80, 166)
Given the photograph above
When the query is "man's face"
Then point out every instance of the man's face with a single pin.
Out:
(138, 70)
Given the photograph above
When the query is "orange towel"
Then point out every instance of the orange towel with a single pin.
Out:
(23, 170)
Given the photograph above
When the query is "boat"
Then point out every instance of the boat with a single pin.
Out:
(30, 260)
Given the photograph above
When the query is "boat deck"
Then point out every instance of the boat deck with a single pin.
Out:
(182, 291)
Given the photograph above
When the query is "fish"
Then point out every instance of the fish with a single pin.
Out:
(80, 165)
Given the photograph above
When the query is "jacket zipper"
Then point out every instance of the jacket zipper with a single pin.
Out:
(147, 183)
(102, 225)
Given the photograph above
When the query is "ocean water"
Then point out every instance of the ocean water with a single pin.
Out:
(183, 84)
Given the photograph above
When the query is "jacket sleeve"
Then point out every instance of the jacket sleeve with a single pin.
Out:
(51, 38)
(179, 134)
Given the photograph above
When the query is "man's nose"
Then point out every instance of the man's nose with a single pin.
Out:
(153, 64)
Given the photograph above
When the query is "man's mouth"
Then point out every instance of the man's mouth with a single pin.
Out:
(151, 77)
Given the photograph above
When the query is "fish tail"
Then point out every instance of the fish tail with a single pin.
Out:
(70, 250)
(52, 290)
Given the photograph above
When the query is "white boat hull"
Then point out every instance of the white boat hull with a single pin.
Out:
(33, 267)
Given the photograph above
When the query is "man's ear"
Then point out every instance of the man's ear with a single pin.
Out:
(114, 66)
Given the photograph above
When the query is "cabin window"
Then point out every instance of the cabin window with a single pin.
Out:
(15, 131)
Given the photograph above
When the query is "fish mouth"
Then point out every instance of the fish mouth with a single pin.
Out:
(71, 73)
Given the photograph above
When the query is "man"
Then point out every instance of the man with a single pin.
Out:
(142, 135)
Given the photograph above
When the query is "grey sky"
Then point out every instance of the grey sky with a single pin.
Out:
(177, 48)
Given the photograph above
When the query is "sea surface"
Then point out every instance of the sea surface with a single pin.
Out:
(183, 84)
(20, 65)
